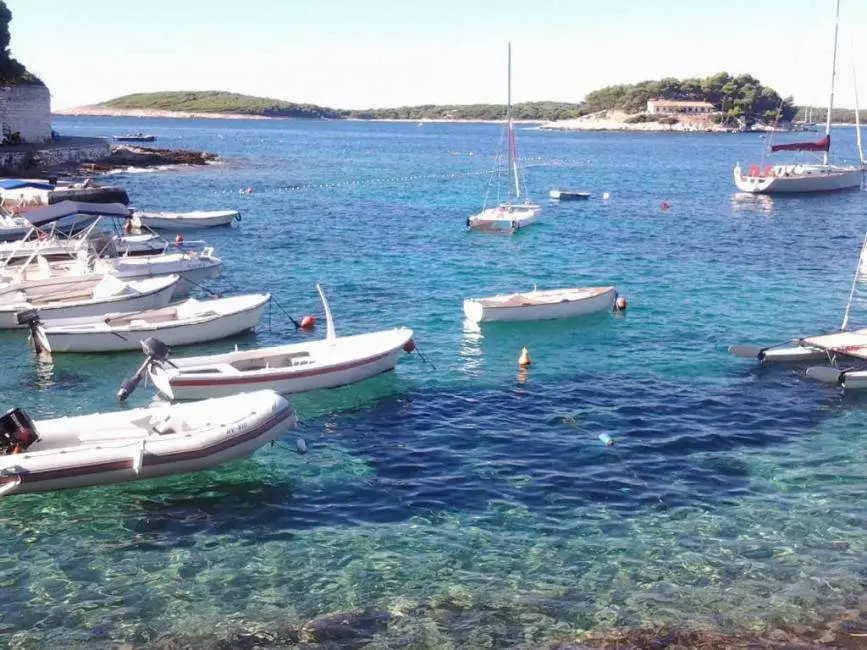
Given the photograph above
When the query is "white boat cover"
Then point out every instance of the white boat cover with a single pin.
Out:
(852, 344)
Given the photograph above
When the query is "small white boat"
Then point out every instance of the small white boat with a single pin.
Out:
(295, 368)
(184, 220)
(106, 448)
(79, 297)
(66, 217)
(540, 305)
(568, 195)
(512, 215)
(184, 323)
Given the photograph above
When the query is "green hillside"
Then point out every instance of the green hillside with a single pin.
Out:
(215, 101)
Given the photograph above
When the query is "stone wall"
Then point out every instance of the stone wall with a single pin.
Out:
(68, 150)
(26, 108)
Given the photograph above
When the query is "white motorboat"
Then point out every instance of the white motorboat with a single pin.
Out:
(514, 214)
(79, 297)
(184, 323)
(193, 269)
(129, 445)
(294, 368)
(185, 220)
(568, 195)
(540, 305)
(824, 177)
(66, 217)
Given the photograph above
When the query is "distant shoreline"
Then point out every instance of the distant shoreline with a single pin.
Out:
(99, 111)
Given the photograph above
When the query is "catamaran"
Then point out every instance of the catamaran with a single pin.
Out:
(813, 177)
(512, 215)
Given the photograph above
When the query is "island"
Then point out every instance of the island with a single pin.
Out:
(720, 102)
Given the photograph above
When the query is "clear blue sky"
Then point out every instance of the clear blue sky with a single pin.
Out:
(356, 54)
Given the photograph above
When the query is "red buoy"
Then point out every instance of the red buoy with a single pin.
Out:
(665, 205)
(409, 346)
(308, 322)
(179, 239)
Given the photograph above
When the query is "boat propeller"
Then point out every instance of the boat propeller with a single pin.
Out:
(155, 352)
(31, 319)
(826, 374)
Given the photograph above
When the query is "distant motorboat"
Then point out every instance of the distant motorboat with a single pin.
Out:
(540, 305)
(568, 195)
(185, 220)
(129, 445)
(135, 137)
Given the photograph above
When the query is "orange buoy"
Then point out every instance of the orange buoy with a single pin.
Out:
(409, 346)
(308, 322)
(524, 360)
(620, 304)
(665, 205)
(179, 239)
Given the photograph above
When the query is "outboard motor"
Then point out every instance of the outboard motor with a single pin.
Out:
(156, 352)
(37, 335)
(17, 432)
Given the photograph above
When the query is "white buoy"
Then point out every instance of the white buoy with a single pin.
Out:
(606, 196)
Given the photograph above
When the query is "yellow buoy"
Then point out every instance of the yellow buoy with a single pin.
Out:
(524, 360)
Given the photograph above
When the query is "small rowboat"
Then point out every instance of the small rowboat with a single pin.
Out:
(540, 305)
(105, 448)
(185, 323)
(135, 137)
(568, 195)
(79, 297)
(295, 368)
(184, 220)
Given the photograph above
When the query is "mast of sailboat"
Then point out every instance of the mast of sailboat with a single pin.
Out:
(833, 77)
(857, 118)
(513, 164)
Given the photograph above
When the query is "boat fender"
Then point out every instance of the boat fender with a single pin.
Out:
(238, 216)
(409, 346)
(524, 360)
(301, 446)
(308, 322)
(606, 439)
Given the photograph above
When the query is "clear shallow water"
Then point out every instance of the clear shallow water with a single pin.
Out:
(733, 497)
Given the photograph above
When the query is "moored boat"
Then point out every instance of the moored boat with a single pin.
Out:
(294, 368)
(130, 445)
(540, 305)
(185, 220)
(514, 214)
(568, 195)
(184, 323)
(79, 297)
(135, 137)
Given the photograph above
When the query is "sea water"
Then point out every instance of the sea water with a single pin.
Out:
(463, 500)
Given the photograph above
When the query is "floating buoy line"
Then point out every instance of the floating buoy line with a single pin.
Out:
(388, 180)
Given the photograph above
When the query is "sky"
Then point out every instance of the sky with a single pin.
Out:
(366, 53)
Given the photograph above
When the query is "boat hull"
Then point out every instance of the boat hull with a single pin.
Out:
(505, 218)
(478, 312)
(149, 299)
(101, 452)
(792, 183)
(186, 220)
(78, 339)
(191, 385)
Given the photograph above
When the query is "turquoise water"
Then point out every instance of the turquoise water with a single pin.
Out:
(469, 503)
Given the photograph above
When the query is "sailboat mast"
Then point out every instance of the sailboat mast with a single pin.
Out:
(857, 118)
(833, 78)
(513, 166)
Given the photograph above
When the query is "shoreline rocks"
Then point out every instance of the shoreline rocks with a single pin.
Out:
(125, 156)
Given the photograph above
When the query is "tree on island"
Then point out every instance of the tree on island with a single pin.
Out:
(11, 70)
(737, 98)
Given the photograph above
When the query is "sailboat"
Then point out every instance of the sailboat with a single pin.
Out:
(822, 177)
(512, 215)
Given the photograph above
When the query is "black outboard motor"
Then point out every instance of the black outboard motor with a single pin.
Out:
(156, 352)
(17, 432)
(30, 318)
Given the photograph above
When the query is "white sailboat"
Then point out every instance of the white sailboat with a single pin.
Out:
(512, 215)
(813, 177)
